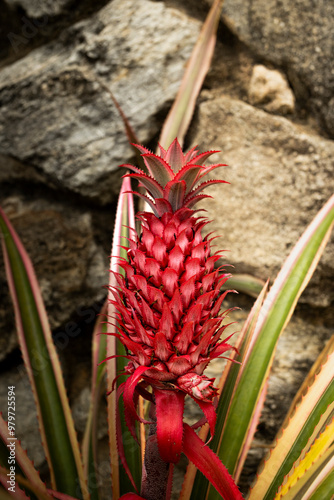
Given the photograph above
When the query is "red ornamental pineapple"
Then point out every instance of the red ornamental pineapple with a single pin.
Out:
(168, 304)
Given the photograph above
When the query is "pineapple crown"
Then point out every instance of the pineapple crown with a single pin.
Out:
(175, 180)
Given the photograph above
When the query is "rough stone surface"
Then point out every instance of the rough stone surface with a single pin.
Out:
(39, 8)
(58, 119)
(25, 413)
(269, 90)
(280, 177)
(297, 36)
(70, 266)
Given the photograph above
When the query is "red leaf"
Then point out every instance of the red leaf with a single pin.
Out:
(188, 291)
(200, 159)
(169, 408)
(184, 339)
(169, 281)
(158, 168)
(209, 412)
(176, 259)
(174, 156)
(209, 464)
(176, 306)
(166, 325)
(129, 389)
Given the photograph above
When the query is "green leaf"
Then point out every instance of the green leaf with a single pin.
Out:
(179, 117)
(320, 492)
(294, 438)
(43, 367)
(227, 386)
(244, 283)
(89, 445)
(274, 316)
(306, 475)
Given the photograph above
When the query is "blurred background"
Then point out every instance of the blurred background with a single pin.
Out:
(267, 104)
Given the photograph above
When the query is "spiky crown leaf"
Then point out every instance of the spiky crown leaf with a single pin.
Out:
(175, 179)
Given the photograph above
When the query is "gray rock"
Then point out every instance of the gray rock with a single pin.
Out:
(39, 8)
(297, 36)
(280, 177)
(70, 267)
(269, 90)
(58, 119)
(26, 422)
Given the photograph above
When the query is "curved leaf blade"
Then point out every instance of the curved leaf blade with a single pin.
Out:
(319, 489)
(305, 473)
(292, 439)
(274, 316)
(245, 283)
(43, 367)
(227, 386)
(89, 445)
(121, 484)
(179, 117)
(210, 465)
(23, 466)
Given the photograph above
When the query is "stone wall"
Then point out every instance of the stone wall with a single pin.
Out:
(267, 104)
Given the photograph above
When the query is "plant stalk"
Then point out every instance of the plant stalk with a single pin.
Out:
(157, 474)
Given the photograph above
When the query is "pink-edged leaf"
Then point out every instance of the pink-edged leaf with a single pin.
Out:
(161, 206)
(210, 168)
(22, 461)
(132, 138)
(119, 440)
(251, 431)
(175, 192)
(133, 168)
(210, 414)
(158, 168)
(151, 185)
(201, 158)
(36, 343)
(273, 317)
(169, 410)
(23, 488)
(174, 156)
(189, 174)
(142, 149)
(128, 394)
(124, 222)
(322, 483)
(15, 488)
(315, 409)
(191, 201)
(227, 382)
(190, 155)
(179, 117)
(203, 186)
(209, 464)
(320, 361)
(153, 206)
(89, 445)
(129, 130)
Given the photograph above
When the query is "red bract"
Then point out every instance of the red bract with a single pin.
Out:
(168, 301)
